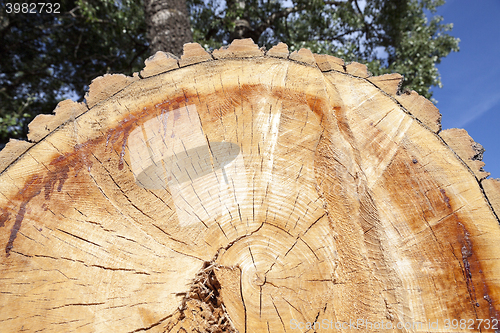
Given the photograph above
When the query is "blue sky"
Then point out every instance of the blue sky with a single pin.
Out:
(470, 97)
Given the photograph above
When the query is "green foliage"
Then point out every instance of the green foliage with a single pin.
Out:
(388, 35)
(50, 57)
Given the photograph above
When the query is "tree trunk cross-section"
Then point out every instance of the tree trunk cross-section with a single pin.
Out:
(244, 191)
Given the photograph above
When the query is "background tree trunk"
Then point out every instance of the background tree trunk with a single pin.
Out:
(252, 193)
(168, 25)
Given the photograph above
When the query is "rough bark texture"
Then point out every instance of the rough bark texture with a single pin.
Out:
(168, 25)
(247, 193)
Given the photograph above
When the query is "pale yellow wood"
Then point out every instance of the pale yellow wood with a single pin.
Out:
(357, 69)
(421, 108)
(245, 194)
(160, 62)
(67, 110)
(193, 54)
(239, 48)
(303, 55)
(432, 210)
(104, 87)
(389, 83)
(12, 150)
(492, 189)
(280, 51)
(459, 140)
(327, 62)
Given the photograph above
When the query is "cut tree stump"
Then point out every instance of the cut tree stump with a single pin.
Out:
(247, 191)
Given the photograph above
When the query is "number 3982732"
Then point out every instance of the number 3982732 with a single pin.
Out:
(33, 8)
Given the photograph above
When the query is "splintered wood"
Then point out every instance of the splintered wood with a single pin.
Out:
(247, 192)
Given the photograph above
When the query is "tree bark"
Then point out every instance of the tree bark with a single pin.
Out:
(168, 25)
(250, 193)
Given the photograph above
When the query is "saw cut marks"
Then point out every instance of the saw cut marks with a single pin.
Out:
(244, 193)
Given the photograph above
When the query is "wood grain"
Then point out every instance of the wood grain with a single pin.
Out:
(160, 62)
(67, 110)
(250, 193)
(422, 109)
(459, 140)
(193, 54)
(327, 62)
(239, 48)
(280, 51)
